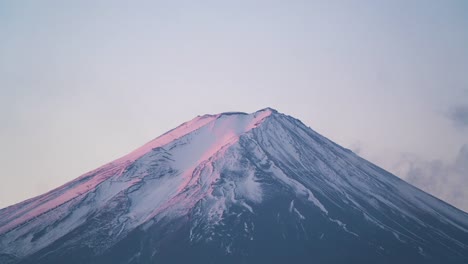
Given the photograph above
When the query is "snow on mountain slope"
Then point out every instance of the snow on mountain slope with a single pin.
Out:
(197, 140)
(227, 187)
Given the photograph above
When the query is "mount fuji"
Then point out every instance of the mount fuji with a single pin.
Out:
(235, 188)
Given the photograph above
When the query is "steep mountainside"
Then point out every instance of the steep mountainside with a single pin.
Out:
(235, 188)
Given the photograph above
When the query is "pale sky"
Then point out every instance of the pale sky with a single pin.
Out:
(85, 82)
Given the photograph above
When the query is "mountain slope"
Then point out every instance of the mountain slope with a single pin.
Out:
(235, 188)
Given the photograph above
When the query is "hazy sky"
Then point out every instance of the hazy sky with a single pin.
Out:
(85, 82)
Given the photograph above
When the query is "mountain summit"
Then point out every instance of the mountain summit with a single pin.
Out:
(235, 188)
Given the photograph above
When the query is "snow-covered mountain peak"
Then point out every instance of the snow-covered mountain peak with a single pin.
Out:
(230, 124)
(189, 144)
(268, 109)
(228, 188)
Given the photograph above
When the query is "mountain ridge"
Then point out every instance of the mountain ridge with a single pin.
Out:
(166, 138)
(219, 179)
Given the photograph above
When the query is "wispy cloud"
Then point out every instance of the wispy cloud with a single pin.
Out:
(459, 115)
(356, 147)
(446, 181)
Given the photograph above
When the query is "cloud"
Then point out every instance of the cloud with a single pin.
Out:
(444, 179)
(447, 181)
(459, 115)
(356, 147)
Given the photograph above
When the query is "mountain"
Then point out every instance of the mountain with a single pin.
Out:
(235, 188)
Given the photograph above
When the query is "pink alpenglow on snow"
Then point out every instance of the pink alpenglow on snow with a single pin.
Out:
(208, 135)
(235, 128)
